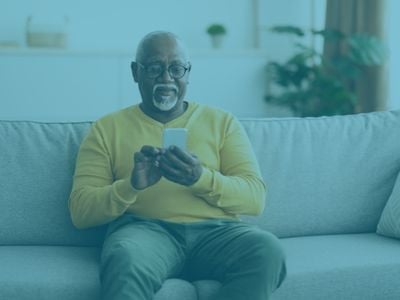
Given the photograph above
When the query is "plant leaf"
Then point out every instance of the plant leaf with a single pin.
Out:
(366, 49)
(293, 30)
(329, 34)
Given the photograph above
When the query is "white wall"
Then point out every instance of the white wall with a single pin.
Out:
(78, 85)
(393, 25)
(231, 78)
(101, 24)
(120, 24)
(309, 14)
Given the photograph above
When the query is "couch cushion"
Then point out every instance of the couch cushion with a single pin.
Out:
(64, 273)
(176, 289)
(389, 223)
(49, 272)
(37, 162)
(353, 266)
(326, 175)
(207, 289)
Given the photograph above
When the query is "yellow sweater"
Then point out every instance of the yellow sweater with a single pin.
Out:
(230, 184)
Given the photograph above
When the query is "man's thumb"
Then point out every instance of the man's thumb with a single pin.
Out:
(139, 157)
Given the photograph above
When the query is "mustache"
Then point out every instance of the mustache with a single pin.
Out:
(165, 86)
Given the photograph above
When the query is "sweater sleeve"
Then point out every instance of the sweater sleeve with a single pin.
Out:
(237, 187)
(96, 198)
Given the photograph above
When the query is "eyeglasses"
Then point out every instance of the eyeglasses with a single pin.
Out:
(154, 70)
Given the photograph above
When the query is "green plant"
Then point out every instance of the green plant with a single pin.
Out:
(216, 29)
(312, 84)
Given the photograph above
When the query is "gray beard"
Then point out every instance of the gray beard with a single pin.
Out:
(165, 104)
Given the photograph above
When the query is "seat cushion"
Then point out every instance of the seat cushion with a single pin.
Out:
(176, 289)
(49, 272)
(206, 289)
(331, 267)
(65, 273)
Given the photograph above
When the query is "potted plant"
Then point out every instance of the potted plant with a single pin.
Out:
(216, 32)
(311, 84)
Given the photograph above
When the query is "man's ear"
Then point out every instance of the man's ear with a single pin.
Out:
(188, 73)
(134, 70)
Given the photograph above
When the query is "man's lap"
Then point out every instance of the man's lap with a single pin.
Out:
(202, 250)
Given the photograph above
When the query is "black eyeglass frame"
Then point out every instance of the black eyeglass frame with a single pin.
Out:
(186, 68)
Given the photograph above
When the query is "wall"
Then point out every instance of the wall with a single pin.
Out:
(81, 85)
(393, 25)
(107, 32)
(95, 24)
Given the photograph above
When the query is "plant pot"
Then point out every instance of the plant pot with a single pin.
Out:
(217, 40)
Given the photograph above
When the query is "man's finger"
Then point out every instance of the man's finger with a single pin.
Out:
(182, 155)
(166, 168)
(150, 150)
(139, 157)
(174, 161)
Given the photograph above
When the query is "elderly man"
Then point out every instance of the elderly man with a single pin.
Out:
(173, 212)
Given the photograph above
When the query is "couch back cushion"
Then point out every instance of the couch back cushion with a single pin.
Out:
(324, 176)
(327, 175)
(37, 162)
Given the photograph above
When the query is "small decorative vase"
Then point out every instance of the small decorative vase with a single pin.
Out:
(217, 40)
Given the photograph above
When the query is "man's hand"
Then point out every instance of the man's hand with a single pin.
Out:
(146, 172)
(180, 166)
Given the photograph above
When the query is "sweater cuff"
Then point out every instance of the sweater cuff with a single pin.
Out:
(124, 191)
(204, 184)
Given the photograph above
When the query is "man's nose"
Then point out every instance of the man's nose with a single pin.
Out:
(165, 77)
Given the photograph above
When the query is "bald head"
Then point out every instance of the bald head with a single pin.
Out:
(162, 72)
(160, 39)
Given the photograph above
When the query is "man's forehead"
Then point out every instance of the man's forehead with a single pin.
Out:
(161, 52)
(163, 58)
(162, 47)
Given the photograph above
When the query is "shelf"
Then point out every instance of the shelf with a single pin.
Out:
(24, 51)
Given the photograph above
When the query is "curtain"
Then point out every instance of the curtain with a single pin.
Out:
(360, 16)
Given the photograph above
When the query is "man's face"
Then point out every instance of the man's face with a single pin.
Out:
(158, 74)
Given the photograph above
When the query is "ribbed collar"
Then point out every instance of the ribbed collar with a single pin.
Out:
(183, 118)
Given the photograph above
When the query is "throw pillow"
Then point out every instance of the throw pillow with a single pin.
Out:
(389, 223)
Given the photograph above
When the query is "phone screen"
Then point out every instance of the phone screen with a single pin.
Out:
(176, 137)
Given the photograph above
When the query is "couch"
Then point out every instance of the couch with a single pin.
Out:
(328, 180)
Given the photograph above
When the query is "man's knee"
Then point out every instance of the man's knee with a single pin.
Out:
(268, 245)
(146, 257)
(270, 255)
(118, 257)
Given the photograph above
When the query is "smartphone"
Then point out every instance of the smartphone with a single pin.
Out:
(176, 137)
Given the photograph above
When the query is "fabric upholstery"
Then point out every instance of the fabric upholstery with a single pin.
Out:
(36, 167)
(329, 267)
(326, 175)
(298, 159)
(49, 272)
(389, 223)
(176, 289)
(206, 289)
(348, 266)
(328, 182)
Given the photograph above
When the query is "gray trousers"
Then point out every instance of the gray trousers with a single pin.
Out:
(139, 254)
